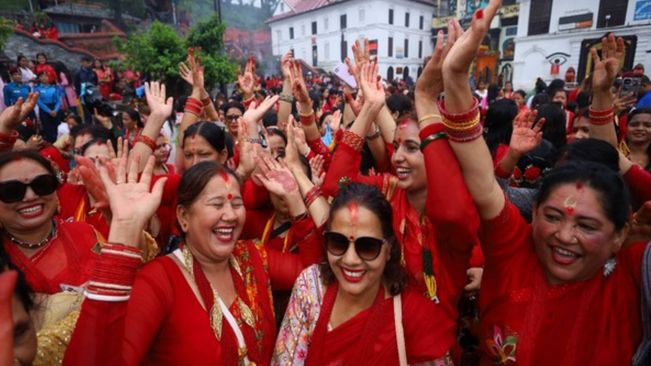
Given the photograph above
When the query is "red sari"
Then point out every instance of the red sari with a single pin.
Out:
(66, 259)
(526, 321)
(436, 247)
(75, 206)
(369, 338)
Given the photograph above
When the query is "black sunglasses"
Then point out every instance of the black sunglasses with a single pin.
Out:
(233, 117)
(367, 248)
(14, 191)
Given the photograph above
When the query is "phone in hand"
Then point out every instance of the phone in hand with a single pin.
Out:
(341, 71)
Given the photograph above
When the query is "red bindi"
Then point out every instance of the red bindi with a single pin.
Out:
(579, 185)
(479, 14)
(229, 197)
(569, 210)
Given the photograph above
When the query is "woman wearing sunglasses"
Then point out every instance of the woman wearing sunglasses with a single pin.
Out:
(342, 311)
(434, 219)
(214, 306)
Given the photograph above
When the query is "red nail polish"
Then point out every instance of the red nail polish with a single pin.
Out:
(479, 14)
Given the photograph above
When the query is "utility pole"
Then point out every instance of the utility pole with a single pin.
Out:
(218, 9)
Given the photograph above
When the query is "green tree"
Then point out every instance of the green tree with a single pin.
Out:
(158, 52)
(209, 37)
(6, 30)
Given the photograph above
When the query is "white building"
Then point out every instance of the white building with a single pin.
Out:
(322, 32)
(563, 31)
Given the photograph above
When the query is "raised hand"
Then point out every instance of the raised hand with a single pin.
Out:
(609, 64)
(155, 94)
(131, 201)
(465, 47)
(93, 182)
(276, 177)
(370, 85)
(299, 87)
(103, 120)
(255, 111)
(624, 102)
(361, 55)
(197, 69)
(286, 64)
(248, 79)
(355, 103)
(13, 115)
(527, 134)
(186, 73)
(335, 122)
(430, 83)
(291, 150)
(123, 151)
(247, 150)
(316, 166)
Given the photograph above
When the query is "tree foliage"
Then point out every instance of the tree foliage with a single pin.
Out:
(6, 30)
(159, 51)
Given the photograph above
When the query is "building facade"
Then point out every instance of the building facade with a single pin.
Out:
(553, 35)
(322, 32)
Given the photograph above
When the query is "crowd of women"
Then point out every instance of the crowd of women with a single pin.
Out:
(353, 233)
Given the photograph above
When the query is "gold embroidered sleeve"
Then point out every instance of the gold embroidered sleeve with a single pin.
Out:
(53, 341)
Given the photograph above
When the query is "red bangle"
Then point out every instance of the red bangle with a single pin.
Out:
(603, 113)
(355, 141)
(307, 120)
(9, 137)
(458, 117)
(147, 141)
(312, 195)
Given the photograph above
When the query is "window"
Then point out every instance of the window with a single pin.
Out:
(421, 22)
(313, 27)
(611, 13)
(361, 15)
(539, 17)
(390, 47)
(407, 20)
(291, 32)
(406, 48)
(342, 21)
(325, 24)
(390, 16)
(420, 49)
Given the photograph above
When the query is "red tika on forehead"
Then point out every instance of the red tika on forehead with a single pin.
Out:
(479, 14)
(353, 210)
(579, 185)
(224, 174)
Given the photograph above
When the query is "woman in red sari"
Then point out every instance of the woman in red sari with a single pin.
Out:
(214, 305)
(342, 311)
(567, 272)
(435, 221)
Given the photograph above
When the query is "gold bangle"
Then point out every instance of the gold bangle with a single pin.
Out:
(423, 119)
(463, 125)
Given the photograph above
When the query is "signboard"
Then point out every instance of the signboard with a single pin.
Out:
(642, 10)
(575, 21)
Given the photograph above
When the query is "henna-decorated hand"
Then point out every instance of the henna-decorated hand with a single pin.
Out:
(248, 79)
(13, 115)
(526, 136)
(276, 177)
(464, 50)
(609, 64)
(159, 106)
(93, 182)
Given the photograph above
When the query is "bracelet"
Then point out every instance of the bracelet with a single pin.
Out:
(307, 119)
(600, 118)
(9, 138)
(603, 113)
(431, 138)
(96, 297)
(147, 141)
(355, 141)
(193, 106)
(430, 116)
(286, 98)
(458, 117)
(309, 114)
(253, 140)
(312, 195)
(375, 135)
(462, 127)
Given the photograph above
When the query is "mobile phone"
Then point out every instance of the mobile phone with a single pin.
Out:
(630, 85)
(341, 71)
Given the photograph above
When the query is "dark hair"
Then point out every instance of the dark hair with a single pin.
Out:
(195, 179)
(539, 99)
(613, 194)
(22, 289)
(499, 123)
(554, 86)
(636, 111)
(270, 119)
(20, 57)
(75, 117)
(273, 131)
(17, 155)
(95, 131)
(233, 104)
(399, 103)
(41, 54)
(554, 128)
(394, 275)
(541, 86)
(492, 93)
(135, 116)
(521, 92)
(213, 134)
(87, 58)
(591, 149)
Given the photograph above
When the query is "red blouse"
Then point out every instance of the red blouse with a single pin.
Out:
(75, 206)
(526, 321)
(639, 182)
(442, 240)
(67, 259)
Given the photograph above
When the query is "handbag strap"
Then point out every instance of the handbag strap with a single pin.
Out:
(400, 333)
(643, 354)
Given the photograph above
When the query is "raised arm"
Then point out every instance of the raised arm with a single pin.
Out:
(526, 136)
(193, 106)
(606, 68)
(161, 109)
(461, 115)
(11, 117)
(286, 97)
